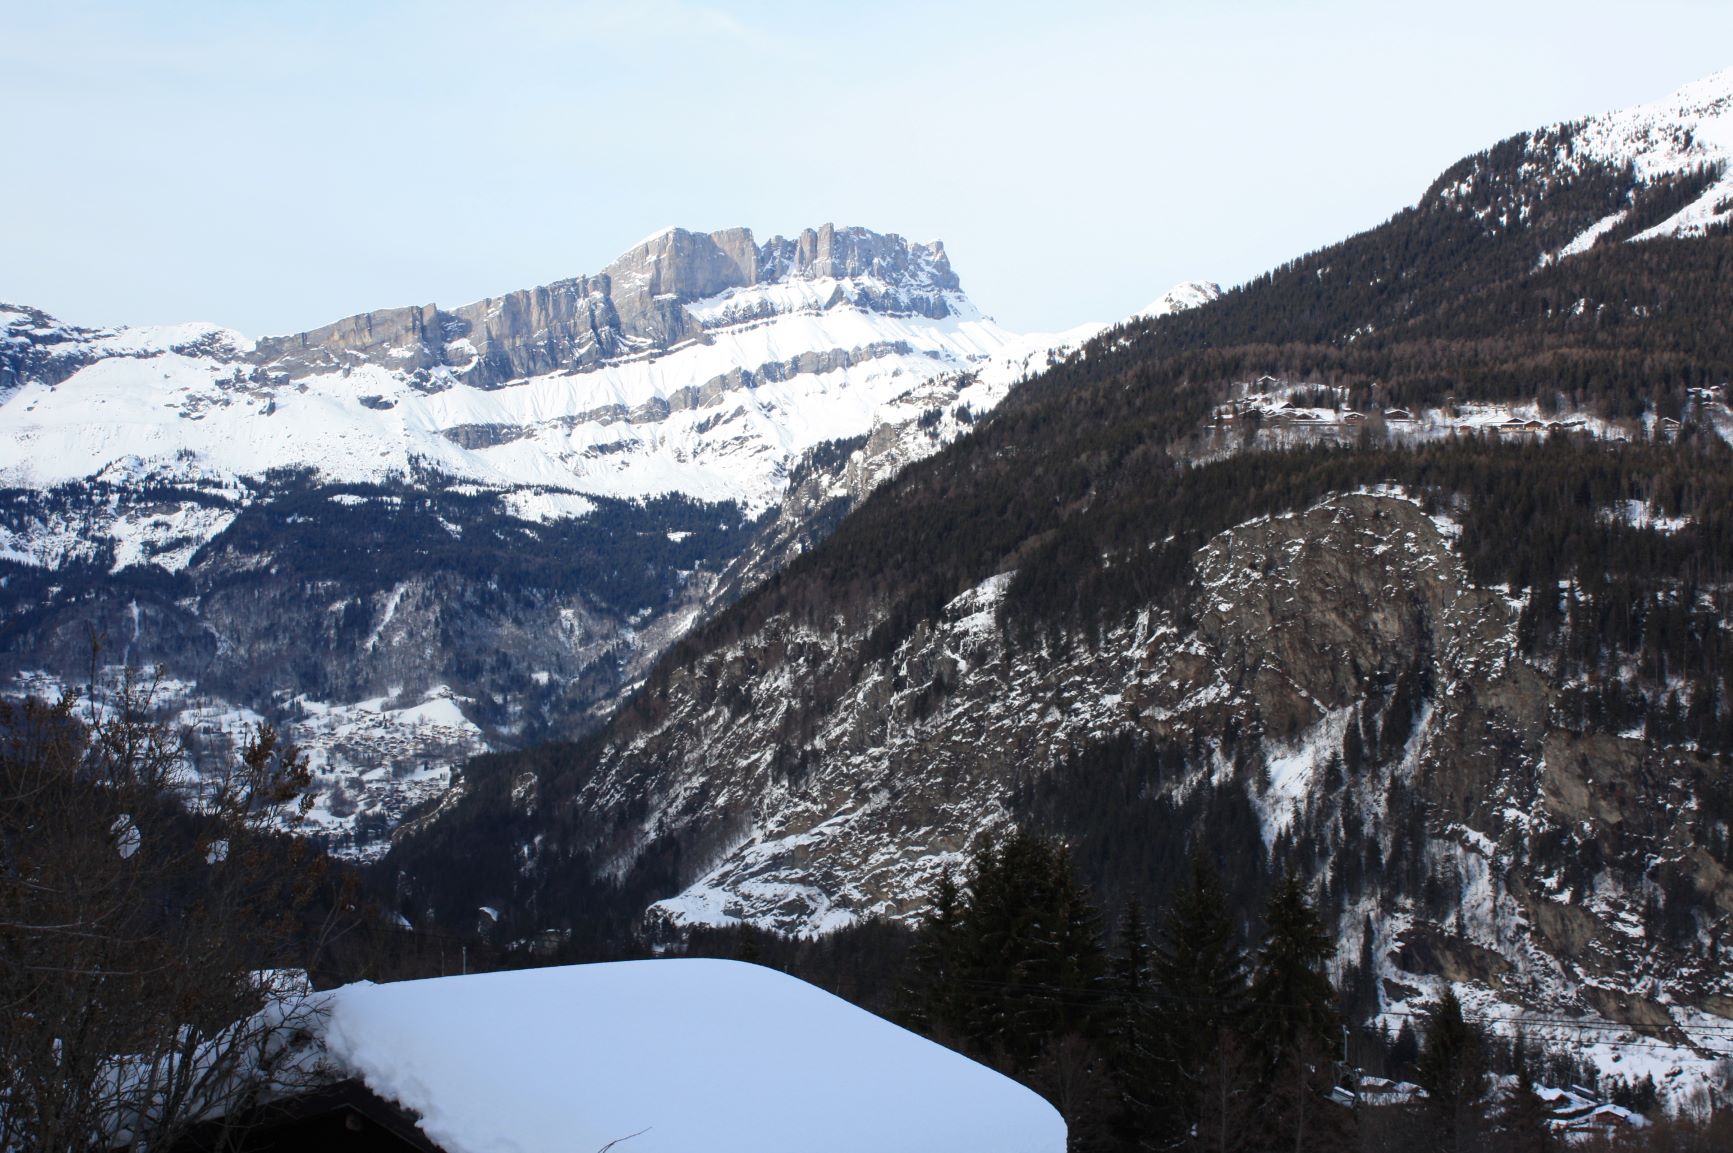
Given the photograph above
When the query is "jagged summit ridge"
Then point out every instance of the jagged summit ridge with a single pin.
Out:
(636, 306)
(689, 265)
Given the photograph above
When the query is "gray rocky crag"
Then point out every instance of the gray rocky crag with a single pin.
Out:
(635, 306)
(808, 788)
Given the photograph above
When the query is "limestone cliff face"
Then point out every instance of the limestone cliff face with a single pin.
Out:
(851, 252)
(566, 325)
(634, 307)
(685, 266)
(407, 335)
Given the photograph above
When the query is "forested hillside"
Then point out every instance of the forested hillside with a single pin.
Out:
(1472, 692)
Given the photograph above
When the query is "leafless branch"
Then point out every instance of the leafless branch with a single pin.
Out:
(627, 1137)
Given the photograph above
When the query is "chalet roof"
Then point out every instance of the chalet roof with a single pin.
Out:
(685, 1053)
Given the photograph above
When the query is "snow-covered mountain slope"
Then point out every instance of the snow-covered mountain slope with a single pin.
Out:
(810, 785)
(1688, 134)
(503, 511)
(674, 377)
(1189, 294)
(1689, 129)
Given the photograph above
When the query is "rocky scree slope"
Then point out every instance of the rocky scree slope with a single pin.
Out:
(419, 533)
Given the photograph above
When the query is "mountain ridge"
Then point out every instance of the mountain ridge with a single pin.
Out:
(1106, 617)
(162, 485)
(539, 388)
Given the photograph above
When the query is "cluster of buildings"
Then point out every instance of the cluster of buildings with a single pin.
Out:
(1574, 1114)
(1272, 403)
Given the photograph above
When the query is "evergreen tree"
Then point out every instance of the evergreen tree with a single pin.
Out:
(1200, 985)
(1296, 1023)
(1292, 999)
(1453, 1071)
(1029, 977)
(935, 997)
(1132, 1032)
(1029, 955)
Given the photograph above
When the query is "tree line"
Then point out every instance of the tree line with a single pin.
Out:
(1214, 1027)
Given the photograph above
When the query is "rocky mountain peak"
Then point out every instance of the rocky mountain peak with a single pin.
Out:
(692, 265)
(637, 306)
(848, 253)
(685, 265)
(1180, 297)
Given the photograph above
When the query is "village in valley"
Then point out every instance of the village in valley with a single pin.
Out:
(1273, 412)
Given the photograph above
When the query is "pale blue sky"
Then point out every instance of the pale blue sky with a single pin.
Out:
(273, 166)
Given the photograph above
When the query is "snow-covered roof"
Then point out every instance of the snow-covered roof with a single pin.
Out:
(686, 1054)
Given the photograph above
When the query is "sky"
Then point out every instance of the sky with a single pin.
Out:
(276, 166)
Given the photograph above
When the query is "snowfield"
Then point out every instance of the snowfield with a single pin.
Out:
(783, 368)
(1693, 127)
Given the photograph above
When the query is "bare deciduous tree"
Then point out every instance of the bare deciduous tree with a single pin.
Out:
(138, 905)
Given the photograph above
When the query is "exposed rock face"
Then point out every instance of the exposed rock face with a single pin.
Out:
(876, 779)
(684, 266)
(635, 306)
(854, 252)
(807, 788)
(412, 334)
(37, 348)
(33, 347)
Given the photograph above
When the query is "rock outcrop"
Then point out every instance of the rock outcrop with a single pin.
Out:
(634, 307)
(1336, 676)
